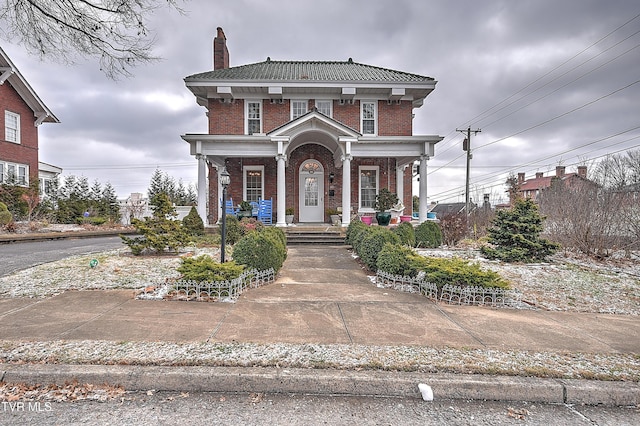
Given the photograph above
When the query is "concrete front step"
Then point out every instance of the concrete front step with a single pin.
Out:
(315, 235)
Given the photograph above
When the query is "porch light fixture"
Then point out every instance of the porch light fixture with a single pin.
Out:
(331, 176)
(225, 180)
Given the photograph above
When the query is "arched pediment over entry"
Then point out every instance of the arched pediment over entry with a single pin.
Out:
(315, 128)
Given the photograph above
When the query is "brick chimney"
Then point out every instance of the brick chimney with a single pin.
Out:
(520, 177)
(220, 51)
(539, 175)
(582, 171)
(559, 171)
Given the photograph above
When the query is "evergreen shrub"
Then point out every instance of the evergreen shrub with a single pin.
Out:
(192, 223)
(456, 271)
(396, 259)
(372, 242)
(5, 215)
(206, 269)
(259, 250)
(428, 235)
(234, 231)
(406, 233)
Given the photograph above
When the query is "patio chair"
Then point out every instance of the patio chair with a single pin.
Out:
(265, 211)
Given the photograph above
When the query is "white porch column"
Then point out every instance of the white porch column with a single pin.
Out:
(422, 216)
(346, 189)
(400, 183)
(202, 187)
(282, 191)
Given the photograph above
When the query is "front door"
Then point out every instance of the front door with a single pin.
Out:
(311, 204)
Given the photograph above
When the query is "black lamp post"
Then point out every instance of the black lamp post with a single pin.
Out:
(225, 180)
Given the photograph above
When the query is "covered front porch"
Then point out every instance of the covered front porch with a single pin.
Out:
(313, 164)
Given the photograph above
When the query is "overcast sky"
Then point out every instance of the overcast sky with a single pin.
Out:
(549, 82)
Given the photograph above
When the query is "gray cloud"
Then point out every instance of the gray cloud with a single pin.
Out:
(481, 53)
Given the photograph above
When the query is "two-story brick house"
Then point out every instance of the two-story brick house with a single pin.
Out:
(312, 135)
(23, 112)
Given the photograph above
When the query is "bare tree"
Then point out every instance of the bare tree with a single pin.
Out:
(115, 31)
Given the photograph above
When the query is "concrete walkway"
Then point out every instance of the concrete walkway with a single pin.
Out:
(321, 296)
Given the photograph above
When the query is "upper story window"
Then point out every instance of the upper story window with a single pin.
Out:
(325, 107)
(253, 116)
(11, 127)
(298, 108)
(368, 114)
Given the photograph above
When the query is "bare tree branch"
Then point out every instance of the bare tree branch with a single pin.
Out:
(114, 31)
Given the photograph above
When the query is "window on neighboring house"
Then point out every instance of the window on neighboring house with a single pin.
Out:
(298, 108)
(368, 186)
(325, 107)
(11, 127)
(368, 114)
(253, 183)
(254, 117)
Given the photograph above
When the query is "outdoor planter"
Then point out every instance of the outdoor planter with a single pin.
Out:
(405, 218)
(366, 219)
(383, 218)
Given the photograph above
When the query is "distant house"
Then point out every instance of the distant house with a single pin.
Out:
(23, 113)
(48, 177)
(310, 135)
(531, 188)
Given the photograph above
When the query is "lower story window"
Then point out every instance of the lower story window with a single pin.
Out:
(253, 183)
(14, 174)
(368, 187)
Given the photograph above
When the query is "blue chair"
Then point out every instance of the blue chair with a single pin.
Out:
(254, 208)
(230, 208)
(265, 211)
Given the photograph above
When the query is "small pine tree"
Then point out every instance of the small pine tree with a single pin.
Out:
(192, 223)
(515, 235)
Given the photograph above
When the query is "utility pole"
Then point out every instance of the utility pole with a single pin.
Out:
(466, 146)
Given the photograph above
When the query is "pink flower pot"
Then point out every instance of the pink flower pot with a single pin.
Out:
(405, 218)
(367, 220)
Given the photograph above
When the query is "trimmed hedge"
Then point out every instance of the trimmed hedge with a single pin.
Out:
(372, 242)
(428, 235)
(397, 259)
(260, 250)
(406, 233)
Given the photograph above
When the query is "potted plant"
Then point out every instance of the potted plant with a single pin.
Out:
(385, 200)
(289, 212)
(245, 209)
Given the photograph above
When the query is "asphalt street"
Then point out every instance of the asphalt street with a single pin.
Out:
(23, 255)
(153, 408)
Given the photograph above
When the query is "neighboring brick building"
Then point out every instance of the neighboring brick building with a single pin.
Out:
(23, 112)
(531, 188)
(312, 135)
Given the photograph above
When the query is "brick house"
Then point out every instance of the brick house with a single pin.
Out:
(312, 135)
(531, 188)
(23, 112)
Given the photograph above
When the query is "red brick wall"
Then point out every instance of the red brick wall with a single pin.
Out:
(347, 114)
(275, 115)
(226, 118)
(26, 152)
(395, 119)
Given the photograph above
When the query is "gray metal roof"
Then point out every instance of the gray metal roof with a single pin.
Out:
(345, 71)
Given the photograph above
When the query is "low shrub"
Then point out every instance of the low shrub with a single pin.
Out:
(248, 224)
(406, 233)
(456, 271)
(234, 231)
(259, 250)
(397, 259)
(91, 220)
(372, 242)
(354, 227)
(428, 235)
(192, 223)
(206, 269)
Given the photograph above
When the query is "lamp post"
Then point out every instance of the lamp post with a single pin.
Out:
(225, 180)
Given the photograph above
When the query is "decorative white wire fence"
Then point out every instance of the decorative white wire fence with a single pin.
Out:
(227, 291)
(455, 295)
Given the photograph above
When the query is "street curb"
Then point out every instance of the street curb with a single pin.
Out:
(329, 382)
(14, 238)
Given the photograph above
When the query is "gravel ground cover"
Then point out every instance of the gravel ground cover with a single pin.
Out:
(564, 283)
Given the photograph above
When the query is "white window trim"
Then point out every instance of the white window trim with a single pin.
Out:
(245, 169)
(246, 114)
(375, 117)
(16, 166)
(17, 117)
(330, 105)
(360, 170)
(293, 101)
